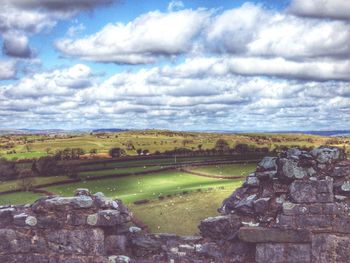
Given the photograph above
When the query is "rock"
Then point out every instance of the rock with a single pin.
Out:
(106, 218)
(267, 164)
(289, 169)
(288, 253)
(119, 259)
(82, 191)
(312, 191)
(277, 235)
(340, 198)
(230, 203)
(345, 187)
(261, 205)
(115, 244)
(267, 168)
(330, 248)
(340, 171)
(209, 250)
(293, 153)
(78, 242)
(145, 245)
(92, 219)
(220, 227)
(31, 221)
(104, 202)
(246, 204)
(252, 180)
(327, 155)
(81, 201)
(266, 174)
(134, 229)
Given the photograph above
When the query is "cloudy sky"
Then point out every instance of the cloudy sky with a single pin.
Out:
(182, 65)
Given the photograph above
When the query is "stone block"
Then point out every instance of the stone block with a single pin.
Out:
(330, 248)
(263, 235)
(283, 253)
(286, 220)
(220, 227)
(314, 221)
(79, 242)
(341, 224)
(320, 191)
(116, 244)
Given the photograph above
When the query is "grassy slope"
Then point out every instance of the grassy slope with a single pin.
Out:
(14, 184)
(226, 169)
(181, 214)
(132, 188)
(116, 171)
(18, 198)
(153, 141)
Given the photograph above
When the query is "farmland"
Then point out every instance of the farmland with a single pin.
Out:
(34, 146)
(180, 177)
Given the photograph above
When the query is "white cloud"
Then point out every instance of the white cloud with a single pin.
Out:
(27, 17)
(254, 31)
(141, 41)
(8, 69)
(337, 9)
(50, 84)
(168, 97)
(175, 5)
(16, 45)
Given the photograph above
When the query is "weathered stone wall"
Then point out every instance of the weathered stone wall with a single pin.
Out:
(294, 208)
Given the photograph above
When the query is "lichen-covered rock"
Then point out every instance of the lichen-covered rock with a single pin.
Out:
(327, 155)
(289, 169)
(80, 201)
(252, 180)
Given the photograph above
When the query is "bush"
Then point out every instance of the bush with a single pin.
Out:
(116, 152)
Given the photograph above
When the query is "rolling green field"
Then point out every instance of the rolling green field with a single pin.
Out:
(19, 198)
(225, 169)
(150, 186)
(147, 162)
(14, 184)
(181, 214)
(117, 171)
(33, 146)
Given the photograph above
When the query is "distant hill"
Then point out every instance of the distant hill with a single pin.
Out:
(109, 130)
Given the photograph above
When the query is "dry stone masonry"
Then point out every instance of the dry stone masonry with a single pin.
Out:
(294, 208)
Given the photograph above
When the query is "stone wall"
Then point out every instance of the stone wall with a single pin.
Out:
(293, 208)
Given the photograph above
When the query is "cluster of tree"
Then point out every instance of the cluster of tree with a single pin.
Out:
(44, 166)
(69, 154)
(116, 152)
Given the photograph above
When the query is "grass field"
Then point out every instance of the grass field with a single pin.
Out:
(117, 171)
(20, 198)
(153, 161)
(181, 214)
(150, 186)
(226, 169)
(28, 146)
(14, 184)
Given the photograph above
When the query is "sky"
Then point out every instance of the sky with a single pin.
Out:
(227, 65)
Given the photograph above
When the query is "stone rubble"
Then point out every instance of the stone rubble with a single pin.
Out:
(294, 208)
